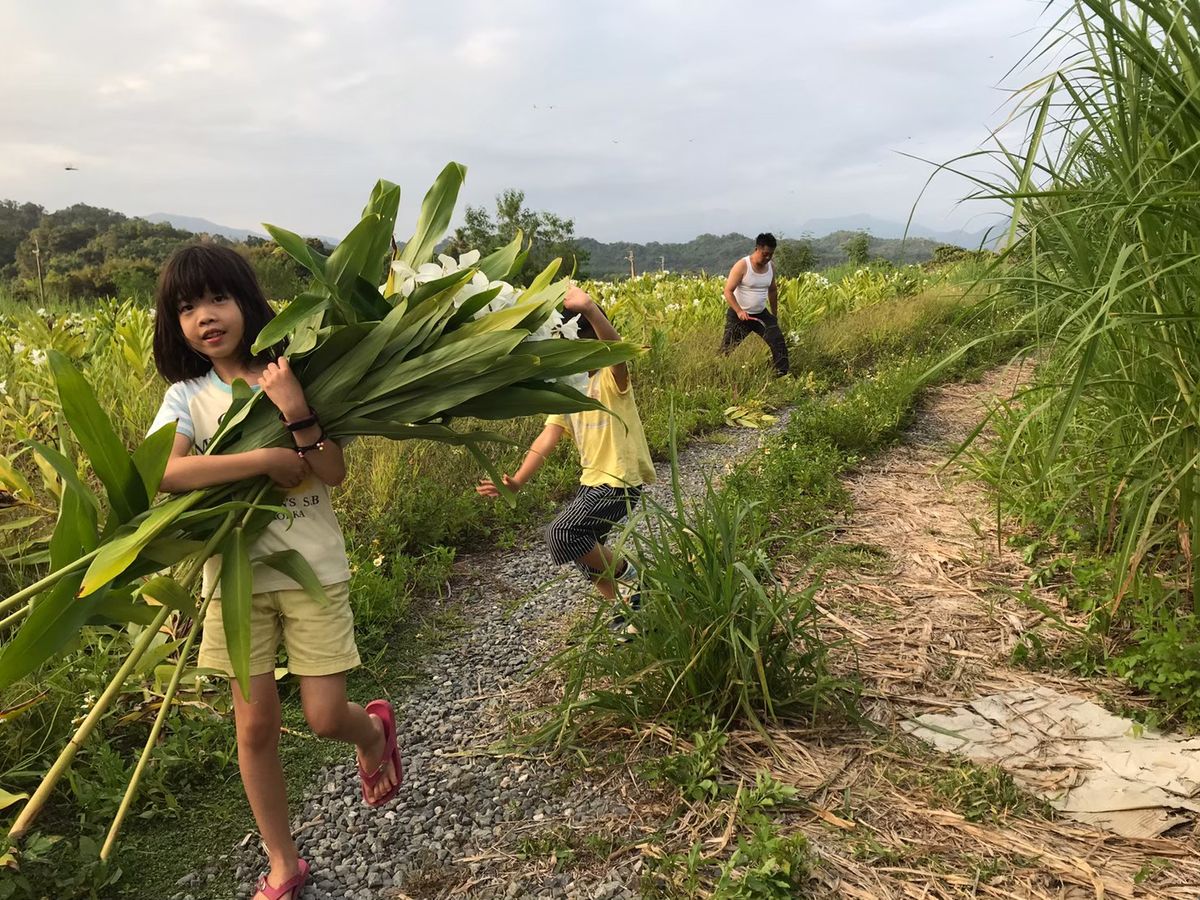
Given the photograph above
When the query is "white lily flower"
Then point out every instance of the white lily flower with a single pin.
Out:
(468, 259)
(570, 328)
(449, 266)
(429, 271)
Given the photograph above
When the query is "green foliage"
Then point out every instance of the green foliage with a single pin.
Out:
(1099, 456)
(793, 258)
(549, 236)
(720, 639)
(858, 249)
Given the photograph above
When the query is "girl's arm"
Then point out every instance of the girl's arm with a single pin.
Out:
(578, 301)
(280, 385)
(543, 445)
(188, 473)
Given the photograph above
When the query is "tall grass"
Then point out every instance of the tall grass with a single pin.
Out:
(1105, 214)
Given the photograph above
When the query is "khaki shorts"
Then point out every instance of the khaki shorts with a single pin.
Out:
(319, 637)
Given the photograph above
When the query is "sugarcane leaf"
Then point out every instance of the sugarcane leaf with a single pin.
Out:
(522, 400)
(544, 277)
(295, 314)
(13, 480)
(236, 594)
(499, 265)
(338, 380)
(384, 203)
(151, 457)
(298, 249)
(76, 531)
(18, 524)
(165, 552)
(481, 353)
(242, 403)
(436, 210)
(120, 608)
(296, 567)
(440, 433)
(66, 471)
(423, 403)
(166, 591)
(121, 550)
(354, 254)
(494, 474)
(53, 622)
(91, 426)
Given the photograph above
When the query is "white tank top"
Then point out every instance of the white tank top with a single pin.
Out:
(751, 294)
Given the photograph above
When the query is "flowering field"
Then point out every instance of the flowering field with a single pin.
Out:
(406, 508)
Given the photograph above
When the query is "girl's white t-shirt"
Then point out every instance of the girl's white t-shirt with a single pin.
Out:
(196, 407)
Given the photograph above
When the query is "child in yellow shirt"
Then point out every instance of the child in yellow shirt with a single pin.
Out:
(613, 453)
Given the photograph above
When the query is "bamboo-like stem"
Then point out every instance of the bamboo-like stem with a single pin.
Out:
(34, 807)
(47, 581)
(15, 617)
(42, 794)
(168, 696)
(114, 829)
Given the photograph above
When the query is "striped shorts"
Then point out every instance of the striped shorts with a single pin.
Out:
(588, 518)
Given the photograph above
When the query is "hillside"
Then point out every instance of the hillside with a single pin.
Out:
(716, 253)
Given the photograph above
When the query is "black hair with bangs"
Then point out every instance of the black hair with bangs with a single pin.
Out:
(187, 275)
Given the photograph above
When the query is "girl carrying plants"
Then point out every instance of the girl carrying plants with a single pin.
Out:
(210, 310)
(615, 459)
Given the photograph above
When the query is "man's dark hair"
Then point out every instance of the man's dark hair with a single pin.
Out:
(190, 272)
(766, 239)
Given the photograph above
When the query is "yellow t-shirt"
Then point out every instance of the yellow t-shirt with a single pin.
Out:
(612, 448)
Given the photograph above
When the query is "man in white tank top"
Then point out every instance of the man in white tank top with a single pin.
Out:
(749, 290)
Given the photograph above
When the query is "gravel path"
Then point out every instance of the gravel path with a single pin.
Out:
(457, 800)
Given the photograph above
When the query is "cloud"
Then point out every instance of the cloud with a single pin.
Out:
(641, 121)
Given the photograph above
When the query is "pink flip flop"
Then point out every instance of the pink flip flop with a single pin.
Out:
(391, 753)
(295, 885)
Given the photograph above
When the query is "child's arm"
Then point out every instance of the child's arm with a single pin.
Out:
(578, 301)
(543, 445)
(188, 473)
(279, 383)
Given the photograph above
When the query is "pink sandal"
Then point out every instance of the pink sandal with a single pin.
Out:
(295, 885)
(391, 753)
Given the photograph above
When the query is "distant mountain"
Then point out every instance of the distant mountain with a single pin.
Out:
(196, 225)
(716, 253)
(885, 228)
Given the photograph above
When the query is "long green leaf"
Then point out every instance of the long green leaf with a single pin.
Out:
(436, 210)
(92, 428)
(121, 550)
(236, 593)
(150, 459)
(295, 314)
(296, 567)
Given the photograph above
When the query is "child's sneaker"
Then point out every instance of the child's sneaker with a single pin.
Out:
(630, 573)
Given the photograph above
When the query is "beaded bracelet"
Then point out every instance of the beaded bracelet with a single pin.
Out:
(318, 444)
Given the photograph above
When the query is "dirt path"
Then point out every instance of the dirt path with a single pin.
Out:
(931, 624)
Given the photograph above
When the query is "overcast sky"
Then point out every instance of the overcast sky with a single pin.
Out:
(655, 120)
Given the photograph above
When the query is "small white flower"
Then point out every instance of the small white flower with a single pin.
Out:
(18, 347)
(37, 357)
(570, 328)
(41, 311)
(3, 388)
